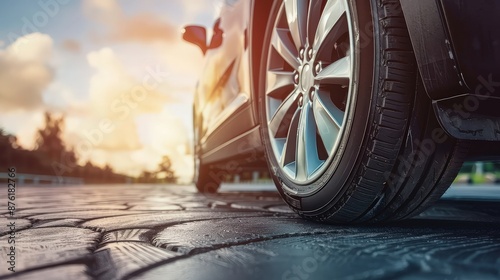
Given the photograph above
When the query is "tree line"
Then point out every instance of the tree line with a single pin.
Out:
(50, 148)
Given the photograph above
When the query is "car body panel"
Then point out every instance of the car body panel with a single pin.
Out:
(223, 101)
(457, 46)
(474, 28)
(432, 48)
(455, 42)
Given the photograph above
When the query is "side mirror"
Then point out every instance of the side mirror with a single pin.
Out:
(217, 36)
(197, 35)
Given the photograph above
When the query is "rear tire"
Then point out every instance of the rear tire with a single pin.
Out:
(207, 180)
(390, 159)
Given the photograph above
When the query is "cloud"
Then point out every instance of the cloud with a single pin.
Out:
(143, 129)
(117, 94)
(24, 125)
(143, 28)
(117, 98)
(72, 46)
(25, 72)
(193, 9)
(102, 10)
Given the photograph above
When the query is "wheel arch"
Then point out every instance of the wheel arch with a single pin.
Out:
(262, 8)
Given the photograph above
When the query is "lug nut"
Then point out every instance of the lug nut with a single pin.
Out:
(301, 101)
(317, 68)
(296, 78)
(312, 94)
(301, 53)
(310, 54)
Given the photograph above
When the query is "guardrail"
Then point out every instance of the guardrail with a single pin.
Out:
(43, 179)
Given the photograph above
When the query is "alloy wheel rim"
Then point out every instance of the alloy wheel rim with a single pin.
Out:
(309, 83)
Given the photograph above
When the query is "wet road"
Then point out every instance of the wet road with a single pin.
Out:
(171, 232)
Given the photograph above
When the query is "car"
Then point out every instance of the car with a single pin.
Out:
(362, 111)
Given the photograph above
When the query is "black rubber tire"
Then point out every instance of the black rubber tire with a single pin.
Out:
(207, 180)
(396, 160)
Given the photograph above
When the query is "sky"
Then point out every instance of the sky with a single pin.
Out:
(117, 70)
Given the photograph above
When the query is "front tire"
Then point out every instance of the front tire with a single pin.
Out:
(348, 134)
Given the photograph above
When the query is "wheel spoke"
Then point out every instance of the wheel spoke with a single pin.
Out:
(332, 22)
(296, 14)
(337, 73)
(281, 120)
(314, 14)
(328, 118)
(285, 47)
(279, 83)
(307, 147)
(289, 155)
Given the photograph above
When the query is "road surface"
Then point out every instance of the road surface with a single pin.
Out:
(171, 232)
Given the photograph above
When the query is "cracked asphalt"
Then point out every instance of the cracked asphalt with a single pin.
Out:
(172, 232)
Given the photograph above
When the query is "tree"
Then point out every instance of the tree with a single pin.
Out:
(52, 156)
(146, 177)
(50, 144)
(107, 173)
(14, 156)
(7, 141)
(6, 146)
(51, 149)
(164, 172)
(48, 138)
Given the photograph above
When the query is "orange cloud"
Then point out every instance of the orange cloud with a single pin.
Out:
(72, 46)
(145, 27)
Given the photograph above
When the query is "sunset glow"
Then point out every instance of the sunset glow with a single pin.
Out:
(117, 71)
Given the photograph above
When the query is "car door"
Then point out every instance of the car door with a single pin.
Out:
(219, 92)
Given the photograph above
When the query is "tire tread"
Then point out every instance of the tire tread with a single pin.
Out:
(397, 106)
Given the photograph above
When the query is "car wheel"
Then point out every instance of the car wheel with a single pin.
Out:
(207, 180)
(349, 133)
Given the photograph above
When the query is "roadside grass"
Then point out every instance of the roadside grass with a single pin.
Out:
(477, 179)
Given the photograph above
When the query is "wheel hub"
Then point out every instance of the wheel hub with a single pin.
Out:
(306, 76)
